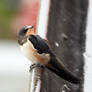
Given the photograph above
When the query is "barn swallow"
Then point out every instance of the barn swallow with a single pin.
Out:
(38, 51)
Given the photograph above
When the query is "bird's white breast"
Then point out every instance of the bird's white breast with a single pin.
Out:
(31, 53)
(28, 52)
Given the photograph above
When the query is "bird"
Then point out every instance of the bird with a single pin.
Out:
(39, 52)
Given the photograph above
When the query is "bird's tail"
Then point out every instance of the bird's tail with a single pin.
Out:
(56, 66)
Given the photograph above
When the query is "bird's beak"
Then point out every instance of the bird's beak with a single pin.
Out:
(30, 31)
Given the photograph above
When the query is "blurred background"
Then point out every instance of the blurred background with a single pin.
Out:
(14, 67)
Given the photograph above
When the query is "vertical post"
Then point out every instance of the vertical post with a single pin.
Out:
(35, 80)
(67, 19)
(43, 18)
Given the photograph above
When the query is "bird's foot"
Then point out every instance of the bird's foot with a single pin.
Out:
(34, 66)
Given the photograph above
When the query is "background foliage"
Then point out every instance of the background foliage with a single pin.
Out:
(7, 11)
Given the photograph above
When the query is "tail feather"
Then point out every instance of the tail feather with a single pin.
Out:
(58, 68)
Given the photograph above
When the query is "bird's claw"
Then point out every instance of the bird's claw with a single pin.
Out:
(34, 66)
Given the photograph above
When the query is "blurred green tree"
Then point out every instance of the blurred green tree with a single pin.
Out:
(7, 10)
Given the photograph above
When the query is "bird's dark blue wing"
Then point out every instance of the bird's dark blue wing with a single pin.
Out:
(39, 44)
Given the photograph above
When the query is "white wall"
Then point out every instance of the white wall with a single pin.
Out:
(14, 68)
(88, 53)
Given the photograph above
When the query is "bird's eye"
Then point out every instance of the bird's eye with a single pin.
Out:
(25, 31)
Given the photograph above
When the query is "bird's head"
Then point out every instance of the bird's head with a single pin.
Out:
(24, 33)
(33, 46)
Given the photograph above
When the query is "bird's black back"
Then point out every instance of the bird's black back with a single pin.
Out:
(39, 44)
